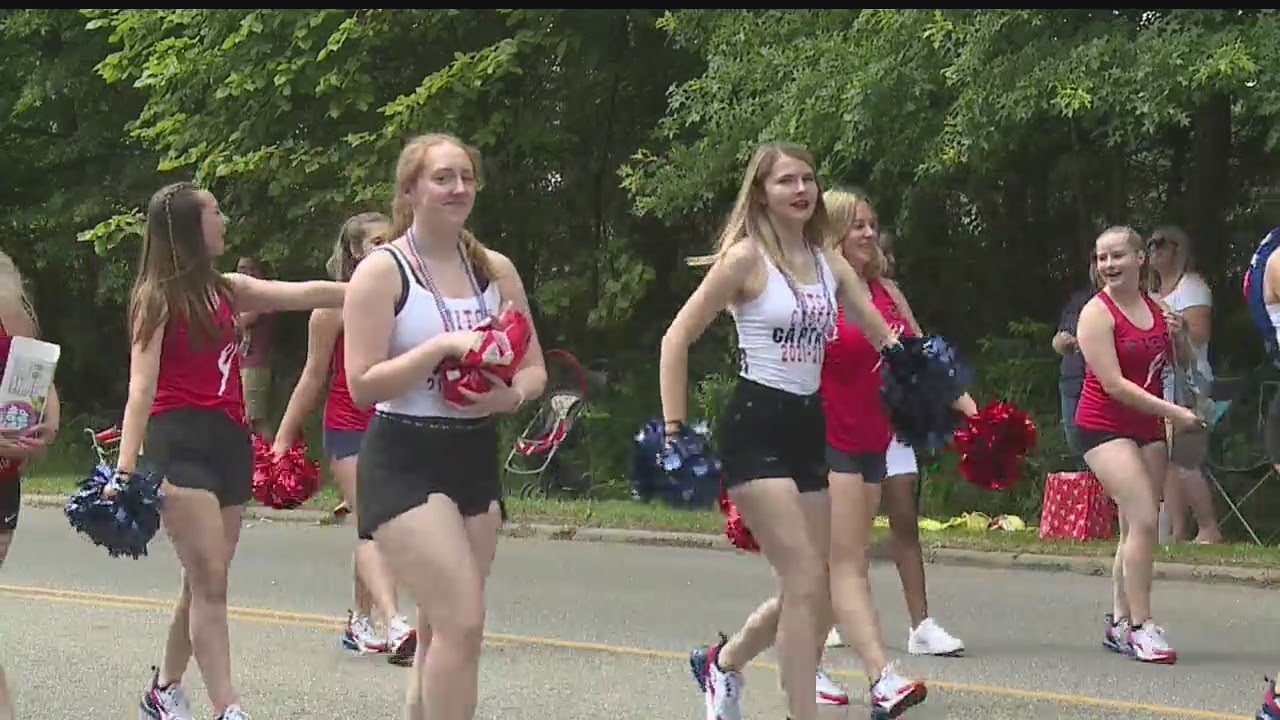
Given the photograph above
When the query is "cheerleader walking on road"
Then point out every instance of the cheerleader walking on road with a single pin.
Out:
(185, 399)
(773, 273)
(860, 441)
(1125, 337)
(429, 483)
(344, 426)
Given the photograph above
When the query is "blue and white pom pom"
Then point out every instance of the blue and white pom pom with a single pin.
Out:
(922, 379)
(123, 520)
(680, 470)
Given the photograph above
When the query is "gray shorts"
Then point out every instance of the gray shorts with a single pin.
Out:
(871, 466)
(341, 444)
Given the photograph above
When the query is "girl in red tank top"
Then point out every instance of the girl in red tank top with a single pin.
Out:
(185, 399)
(343, 429)
(1126, 336)
(858, 436)
(18, 444)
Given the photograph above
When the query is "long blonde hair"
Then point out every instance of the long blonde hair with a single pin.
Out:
(413, 160)
(1183, 256)
(13, 287)
(842, 208)
(749, 218)
(1148, 278)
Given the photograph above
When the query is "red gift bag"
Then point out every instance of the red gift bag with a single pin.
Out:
(1075, 507)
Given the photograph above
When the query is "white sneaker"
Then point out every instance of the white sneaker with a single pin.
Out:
(834, 640)
(892, 694)
(930, 639)
(361, 637)
(168, 703)
(1148, 644)
(829, 693)
(233, 712)
(401, 637)
(720, 688)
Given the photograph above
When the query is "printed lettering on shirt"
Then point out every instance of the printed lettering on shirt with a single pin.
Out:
(224, 365)
(466, 319)
(804, 339)
(1155, 345)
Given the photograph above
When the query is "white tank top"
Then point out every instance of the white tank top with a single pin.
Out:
(417, 320)
(783, 332)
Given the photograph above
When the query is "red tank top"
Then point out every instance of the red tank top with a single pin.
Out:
(195, 372)
(850, 387)
(1142, 357)
(340, 413)
(9, 467)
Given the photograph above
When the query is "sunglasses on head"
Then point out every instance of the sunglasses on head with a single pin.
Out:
(1159, 241)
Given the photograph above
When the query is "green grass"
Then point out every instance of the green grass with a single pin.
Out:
(638, 516)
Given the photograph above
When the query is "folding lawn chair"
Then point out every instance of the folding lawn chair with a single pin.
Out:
(1235, 456)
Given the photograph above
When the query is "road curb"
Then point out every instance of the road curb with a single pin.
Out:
(934, 554)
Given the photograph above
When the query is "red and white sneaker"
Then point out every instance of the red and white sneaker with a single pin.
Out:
(892, 694)
(1148, 644)
(164, 703)
(360, 637)
(829, 693)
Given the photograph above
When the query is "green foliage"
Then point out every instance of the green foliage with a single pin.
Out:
(997, 142)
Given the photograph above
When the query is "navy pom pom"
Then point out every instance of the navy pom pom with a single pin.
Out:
(123, 522)
(682, 470)
(922, 379)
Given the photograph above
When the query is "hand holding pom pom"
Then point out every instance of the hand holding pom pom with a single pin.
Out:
(121, 514)
(992, 443)
(503, 342)
(922, 378)
(680, 467)
(283, 482)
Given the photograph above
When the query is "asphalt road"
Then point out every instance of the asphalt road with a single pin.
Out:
(592, 630)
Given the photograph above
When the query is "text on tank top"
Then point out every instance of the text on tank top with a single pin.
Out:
(782, 332)
(9, 467)
(424, 314)
(200, 372)
(340, 411)
(1142, 355)
(855, 418)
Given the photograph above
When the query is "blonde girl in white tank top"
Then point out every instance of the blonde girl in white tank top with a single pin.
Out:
(778, 219)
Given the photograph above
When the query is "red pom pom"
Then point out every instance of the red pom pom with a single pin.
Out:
(992, 443)
(286, 482)
(504, 340)
(734, 527)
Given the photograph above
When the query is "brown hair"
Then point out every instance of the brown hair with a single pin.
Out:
(1148, 279)
(750, 219)
(842, 208)
(413, 160)
(176, 272)
(355, 232)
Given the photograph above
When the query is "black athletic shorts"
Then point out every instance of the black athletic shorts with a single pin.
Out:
(10, 503)
(201, 449)
(405, 459)
(871, 466)
(765, 433)
(1090, 439)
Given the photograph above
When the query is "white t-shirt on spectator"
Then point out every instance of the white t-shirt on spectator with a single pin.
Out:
(1191, 291)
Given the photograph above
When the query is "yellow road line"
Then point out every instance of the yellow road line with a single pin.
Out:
(267, 616)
